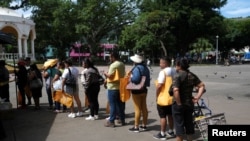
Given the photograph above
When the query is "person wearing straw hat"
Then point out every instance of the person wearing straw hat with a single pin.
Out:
(49, 73)
(139, 96)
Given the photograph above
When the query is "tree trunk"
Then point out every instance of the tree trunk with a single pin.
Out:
(163, 48)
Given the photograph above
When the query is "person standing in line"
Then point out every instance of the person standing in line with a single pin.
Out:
(27, 88)
(59, 70)
(83, 81)
(72, 90)
(4, 82)
(92, 88)
(37, 92)
(116, 105)
(22, 79)
(49, 74)
(182, 109)
(140, 96)
(164, 109)
(4, 92)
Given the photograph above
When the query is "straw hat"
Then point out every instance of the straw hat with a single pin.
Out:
(50, 63)
(136, 58)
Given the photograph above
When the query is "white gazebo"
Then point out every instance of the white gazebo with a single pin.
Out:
(24, 31)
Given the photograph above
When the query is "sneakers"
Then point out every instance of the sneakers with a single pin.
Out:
(58, 111)
(87, 111)
(171, 135)
(109, 124)
(79, 114)
(90, 118)
(160, 136)
(133, 129)
(120, 122)
(107, 118)
(96, 117)
(143, 128)
(72, 115)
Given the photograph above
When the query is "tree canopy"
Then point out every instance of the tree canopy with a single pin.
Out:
(187, 20)
(149, 26)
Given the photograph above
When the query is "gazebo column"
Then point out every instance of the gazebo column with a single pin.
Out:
(20, 54)
(25, 47)
(33, 49)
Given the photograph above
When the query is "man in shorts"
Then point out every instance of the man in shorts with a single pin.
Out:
(164, 110)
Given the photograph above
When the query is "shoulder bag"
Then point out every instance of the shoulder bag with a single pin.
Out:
(36, 83)
(164, 98)
(133, 86)
(71, 80)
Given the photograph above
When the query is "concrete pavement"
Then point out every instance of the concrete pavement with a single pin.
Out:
(45, 125)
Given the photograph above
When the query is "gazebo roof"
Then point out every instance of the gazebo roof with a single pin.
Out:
(9, 12)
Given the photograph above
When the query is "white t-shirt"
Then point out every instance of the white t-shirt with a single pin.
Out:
(82, 76)
(168, 72)
(75, 72)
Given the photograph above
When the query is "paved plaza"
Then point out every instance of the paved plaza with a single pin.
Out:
(227, 92)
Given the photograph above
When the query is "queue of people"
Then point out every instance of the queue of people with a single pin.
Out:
(175, 112)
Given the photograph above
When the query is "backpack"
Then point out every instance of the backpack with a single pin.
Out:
(71, 80)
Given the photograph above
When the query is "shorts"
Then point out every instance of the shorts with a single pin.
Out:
(163, 111)
(183, 119)
(72, 90)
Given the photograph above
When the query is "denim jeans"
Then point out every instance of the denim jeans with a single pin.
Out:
(58, 106)
(116, 105)
(49, 93)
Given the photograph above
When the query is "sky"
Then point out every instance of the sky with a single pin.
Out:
(236, 8)
(233, 9)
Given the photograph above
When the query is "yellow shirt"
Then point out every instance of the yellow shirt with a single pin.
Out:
(120, 67)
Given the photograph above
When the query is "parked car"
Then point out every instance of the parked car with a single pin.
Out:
(246, 58)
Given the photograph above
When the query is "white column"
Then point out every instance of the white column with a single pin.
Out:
(25, 47)
(32, 49)
(20, 48)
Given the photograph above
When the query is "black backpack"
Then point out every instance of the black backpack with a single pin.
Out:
(71, 80)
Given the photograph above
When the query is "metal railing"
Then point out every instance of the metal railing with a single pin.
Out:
(10, 56)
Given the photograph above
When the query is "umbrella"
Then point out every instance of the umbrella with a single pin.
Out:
(6, 38)
(50, 63)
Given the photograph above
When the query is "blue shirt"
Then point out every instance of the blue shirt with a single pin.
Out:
(138, 71)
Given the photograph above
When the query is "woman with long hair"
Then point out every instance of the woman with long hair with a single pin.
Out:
(91, 87)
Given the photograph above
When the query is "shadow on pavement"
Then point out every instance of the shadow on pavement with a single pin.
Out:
(28, 124)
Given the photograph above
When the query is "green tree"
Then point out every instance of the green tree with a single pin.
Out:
(55, 24)
(192, 19)
(201, 45)
(150, 31)
(237, 35)
(101, 19)
(19, 4)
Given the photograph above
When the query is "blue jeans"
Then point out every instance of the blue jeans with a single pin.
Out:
(48, 91)
(116, 105)
(58, 106)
